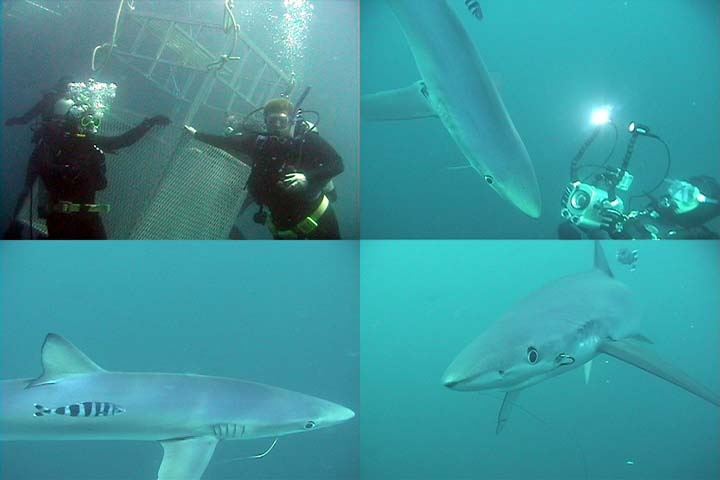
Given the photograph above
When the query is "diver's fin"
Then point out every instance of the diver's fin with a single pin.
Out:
(506, 409)
(186, 459)
(400, 104)
(61, 358)
(586, 370)
(634, 354)
(601, 261)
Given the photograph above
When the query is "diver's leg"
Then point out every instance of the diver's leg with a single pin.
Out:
(96, 228)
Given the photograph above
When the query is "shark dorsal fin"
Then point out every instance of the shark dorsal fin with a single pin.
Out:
(61, 358)
(601, 261)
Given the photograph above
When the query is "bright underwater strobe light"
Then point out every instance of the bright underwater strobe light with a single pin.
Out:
(600, 116)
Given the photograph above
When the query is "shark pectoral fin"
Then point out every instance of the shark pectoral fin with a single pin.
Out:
(186, 459)
(634, 354)
(587, 368)
(506, 409)
(400, 104)
(61, 358)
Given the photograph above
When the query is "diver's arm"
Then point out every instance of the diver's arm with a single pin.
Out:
(326, 162)
(236, 145)
(110, 144)
(45, 103)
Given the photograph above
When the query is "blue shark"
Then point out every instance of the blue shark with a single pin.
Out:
(562, 326)
(456, 88)
(75, 399)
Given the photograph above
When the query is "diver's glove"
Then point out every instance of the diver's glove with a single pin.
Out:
(294, 181)
(190, 129)
(161, 120)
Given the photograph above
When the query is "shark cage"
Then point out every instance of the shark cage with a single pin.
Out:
(194, 56)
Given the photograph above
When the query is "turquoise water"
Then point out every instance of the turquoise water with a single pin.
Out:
(276, 313)
(423, 301)
(654, 61)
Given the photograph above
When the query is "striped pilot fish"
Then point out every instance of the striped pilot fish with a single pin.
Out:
(474, 7)
(84, 409)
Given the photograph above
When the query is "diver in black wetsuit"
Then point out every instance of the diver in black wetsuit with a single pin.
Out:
(70, 160)
(679, 214)
(291, 165)
(44, 107)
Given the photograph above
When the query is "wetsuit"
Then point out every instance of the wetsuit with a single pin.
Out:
(72, 168)
(271, 158)
(643, 225)
(648, 224)
(44, 109)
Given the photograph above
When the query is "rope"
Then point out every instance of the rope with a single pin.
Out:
(131, 6)
(229, 24)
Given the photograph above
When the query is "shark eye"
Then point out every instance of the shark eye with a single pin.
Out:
(532, 355)
(489, 179)
(310, 424)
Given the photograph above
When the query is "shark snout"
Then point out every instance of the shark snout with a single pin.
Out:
(453, 380)
(343, 414)
(338, 414)
(451, 383)
(522, 191)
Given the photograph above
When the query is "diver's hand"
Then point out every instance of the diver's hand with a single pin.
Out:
(161, 120)
(190, 129)
(294, 181)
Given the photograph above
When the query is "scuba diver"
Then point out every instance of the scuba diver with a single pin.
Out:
(680, 213)
(69, 157)
(292, 168)
(594, 209)
(44, 109)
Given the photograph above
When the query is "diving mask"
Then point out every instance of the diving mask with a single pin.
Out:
(684, 197)
(276, 122)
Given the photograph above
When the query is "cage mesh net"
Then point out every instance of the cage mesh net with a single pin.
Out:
(165, 186)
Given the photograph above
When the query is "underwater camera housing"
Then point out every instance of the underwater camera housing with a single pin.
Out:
(589, 206)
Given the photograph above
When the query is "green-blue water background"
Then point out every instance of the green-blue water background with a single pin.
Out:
(39, 47)
(424, 301)
(280, 313)
(655, 61)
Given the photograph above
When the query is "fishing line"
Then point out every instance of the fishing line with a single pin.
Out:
(548, 424)
(259, 455)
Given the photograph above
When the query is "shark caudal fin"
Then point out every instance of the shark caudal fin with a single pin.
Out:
(600, 261)
(61, 358)
(631, 352)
